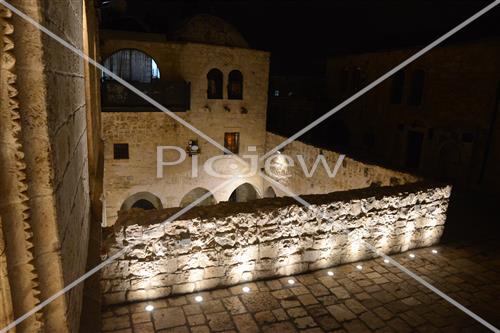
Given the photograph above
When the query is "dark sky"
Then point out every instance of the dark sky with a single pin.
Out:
(300, 34)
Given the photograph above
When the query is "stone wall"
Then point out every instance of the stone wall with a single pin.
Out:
(47, 116)
(454, 119)
(351, 174)
(232, 243)
(144, 131)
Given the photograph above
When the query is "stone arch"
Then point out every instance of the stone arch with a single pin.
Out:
(244, 193)
(214, 84)
(143, 200)
(235, 85)
(132, 65)
(270, 193)
(196, 193)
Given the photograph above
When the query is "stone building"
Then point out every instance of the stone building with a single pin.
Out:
(208, 76)
(437, 117)
(50, 165)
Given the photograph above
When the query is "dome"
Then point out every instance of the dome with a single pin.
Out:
(208, 29)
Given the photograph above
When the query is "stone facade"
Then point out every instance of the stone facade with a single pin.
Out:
(145, 130)
(220, 246)
(454, 129)
(48, 121)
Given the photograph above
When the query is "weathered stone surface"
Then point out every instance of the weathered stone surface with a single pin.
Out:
(292, 241)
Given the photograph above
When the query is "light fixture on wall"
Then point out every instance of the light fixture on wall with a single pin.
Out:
(193, 148)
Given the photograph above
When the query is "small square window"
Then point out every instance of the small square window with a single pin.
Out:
(232, 142)
(120, 151)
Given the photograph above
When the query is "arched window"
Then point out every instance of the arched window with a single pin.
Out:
(132, 65)
(214, 84)
(235, 85)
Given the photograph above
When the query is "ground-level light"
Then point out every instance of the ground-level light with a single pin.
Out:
(359, 267)
(246, 289)
(149, 308)
(434, 251)
(330, 273)
(291, 281)
(411, 255)
(198, 299)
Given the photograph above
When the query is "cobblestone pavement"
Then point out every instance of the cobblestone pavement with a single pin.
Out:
(378, 297)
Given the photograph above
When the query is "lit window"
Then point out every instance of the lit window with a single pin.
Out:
(132, 65)
(120, 151)
(232, 142)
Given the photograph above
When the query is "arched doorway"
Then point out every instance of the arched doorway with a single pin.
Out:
(270, 193)
(243, 193)
(195, 194)
(142, 200)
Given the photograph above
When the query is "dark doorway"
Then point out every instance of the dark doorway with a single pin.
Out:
(143, 204)
(414, 149)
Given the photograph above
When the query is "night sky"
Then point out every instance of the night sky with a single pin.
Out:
(300, 34)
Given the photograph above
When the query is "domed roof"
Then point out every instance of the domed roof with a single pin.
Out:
(208, 29)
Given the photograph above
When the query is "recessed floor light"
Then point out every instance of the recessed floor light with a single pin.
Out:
(359, 267)
(330, 273)
(291, 281)
(246, 289)
(198, 299)
(435, 251)
(149, 308)
(386, 261)
(411, 255)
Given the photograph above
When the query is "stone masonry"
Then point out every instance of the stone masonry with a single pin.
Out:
(232, 243)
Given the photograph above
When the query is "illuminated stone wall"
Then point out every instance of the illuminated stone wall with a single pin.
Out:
(267, 238)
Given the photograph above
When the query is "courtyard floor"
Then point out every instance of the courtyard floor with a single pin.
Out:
(378, 297)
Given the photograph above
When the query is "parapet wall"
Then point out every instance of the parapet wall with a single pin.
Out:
(352, 174)
(233, 243)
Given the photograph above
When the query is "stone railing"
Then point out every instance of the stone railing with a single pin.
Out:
(233, 243)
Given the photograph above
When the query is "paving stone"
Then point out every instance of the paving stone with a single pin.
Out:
(282, 327)
(200, 329)
(116, 322)
(280, 314)
(371, 320)
(354, 306)
(234, 305)
(141, 317)
(192, 309)
(355, 326)
(318, 289)
(220, 321)
(340, 292)
(305, 322)
(341, 313)
(307, 299)
(168, 317)
(212, 306)
(255, 302)
(297, 312)
(245, 323)
(144, 328)
(265, 317)
(196, 320)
